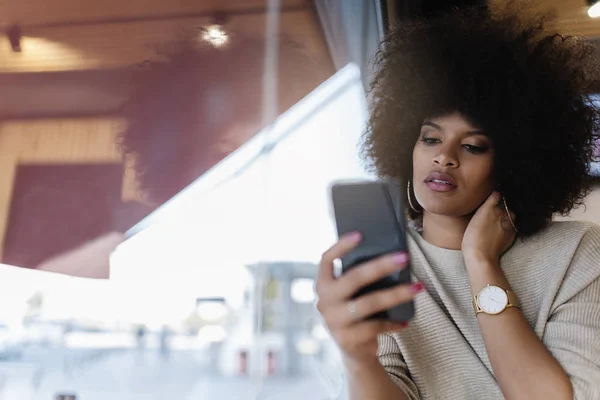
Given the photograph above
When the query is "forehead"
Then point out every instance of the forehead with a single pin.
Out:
(454, 123)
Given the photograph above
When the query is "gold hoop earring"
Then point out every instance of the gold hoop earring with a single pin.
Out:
(410, 202)
(508, 214)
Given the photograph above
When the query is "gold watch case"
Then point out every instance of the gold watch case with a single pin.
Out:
(494, 302)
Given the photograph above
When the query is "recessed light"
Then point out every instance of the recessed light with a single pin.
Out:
(215, 35)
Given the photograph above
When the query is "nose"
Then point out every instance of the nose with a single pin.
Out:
(446, 158)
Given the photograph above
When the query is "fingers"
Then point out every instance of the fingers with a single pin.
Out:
(346, 318)
(351, 339)
(509, 221)
(368, 273)
(372, 303)
(509, 218)
(493, 200)
(382, 300)
(338, 250)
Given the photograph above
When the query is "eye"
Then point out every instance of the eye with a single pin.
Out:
(474, 149)
(430, 141)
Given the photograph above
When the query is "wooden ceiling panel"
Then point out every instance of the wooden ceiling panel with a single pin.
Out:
(118, 45)
(42, 12)
(571, 16)
(47, 94)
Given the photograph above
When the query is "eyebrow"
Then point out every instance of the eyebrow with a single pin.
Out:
(439, 128)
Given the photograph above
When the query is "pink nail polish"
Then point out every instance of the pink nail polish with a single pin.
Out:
(400, 258)
(416, 287)
(402, 325)
(355, 236)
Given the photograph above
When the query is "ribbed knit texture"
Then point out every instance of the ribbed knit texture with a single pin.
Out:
(556, 276)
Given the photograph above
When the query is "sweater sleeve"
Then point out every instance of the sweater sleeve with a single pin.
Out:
(573, 329)
(393, 362)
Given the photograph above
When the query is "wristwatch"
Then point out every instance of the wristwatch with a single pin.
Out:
(493, 300)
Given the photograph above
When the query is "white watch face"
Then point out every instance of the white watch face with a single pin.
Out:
(492, 299)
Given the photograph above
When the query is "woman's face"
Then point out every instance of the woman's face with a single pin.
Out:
(452, 166)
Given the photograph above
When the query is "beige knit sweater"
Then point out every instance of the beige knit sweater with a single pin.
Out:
(556, 276)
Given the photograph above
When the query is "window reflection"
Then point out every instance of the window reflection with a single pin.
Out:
(113, 110)
(237, 217)
(208, 286)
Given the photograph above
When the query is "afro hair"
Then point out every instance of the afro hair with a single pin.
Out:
(527, 87)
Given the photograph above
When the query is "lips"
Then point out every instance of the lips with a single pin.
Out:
(440, 182)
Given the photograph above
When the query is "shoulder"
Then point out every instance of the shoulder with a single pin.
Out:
(563, 254)
(560, 228)
(590, 237)
(563, 236)
(585, 262)
(579, 243)
(411, 236)
(570, 243)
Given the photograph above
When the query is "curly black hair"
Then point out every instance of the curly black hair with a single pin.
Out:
(526, 87)
(182, 104)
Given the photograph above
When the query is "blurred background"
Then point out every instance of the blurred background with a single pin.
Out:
(164, 168)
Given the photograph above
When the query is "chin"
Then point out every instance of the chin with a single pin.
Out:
(447, 210)
(450, 204)
(444, 213)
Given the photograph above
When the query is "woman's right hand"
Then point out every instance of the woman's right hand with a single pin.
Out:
(346, 317)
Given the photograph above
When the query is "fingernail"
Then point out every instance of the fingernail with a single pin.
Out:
(400, 258)
(400, 325)
(354, 237)
(416, 287)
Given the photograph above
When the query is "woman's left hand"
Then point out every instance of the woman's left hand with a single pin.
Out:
(489, 233)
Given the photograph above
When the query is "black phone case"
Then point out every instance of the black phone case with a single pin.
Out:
(375, 210)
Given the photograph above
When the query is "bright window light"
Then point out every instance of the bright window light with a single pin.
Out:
(594, 11)
(212, 333)
(307, 346)
(320, 333)
(303, 290)
(212, 311)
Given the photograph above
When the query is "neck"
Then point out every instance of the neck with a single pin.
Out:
(443, 231)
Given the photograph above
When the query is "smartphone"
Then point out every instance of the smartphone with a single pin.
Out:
(374, 208)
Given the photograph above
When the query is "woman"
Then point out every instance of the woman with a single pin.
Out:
(479, 115)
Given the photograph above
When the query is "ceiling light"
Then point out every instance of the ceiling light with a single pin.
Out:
(215, 35)
(594, 10)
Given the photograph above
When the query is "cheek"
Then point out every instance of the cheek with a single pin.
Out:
(479, 176)
(417, 160)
